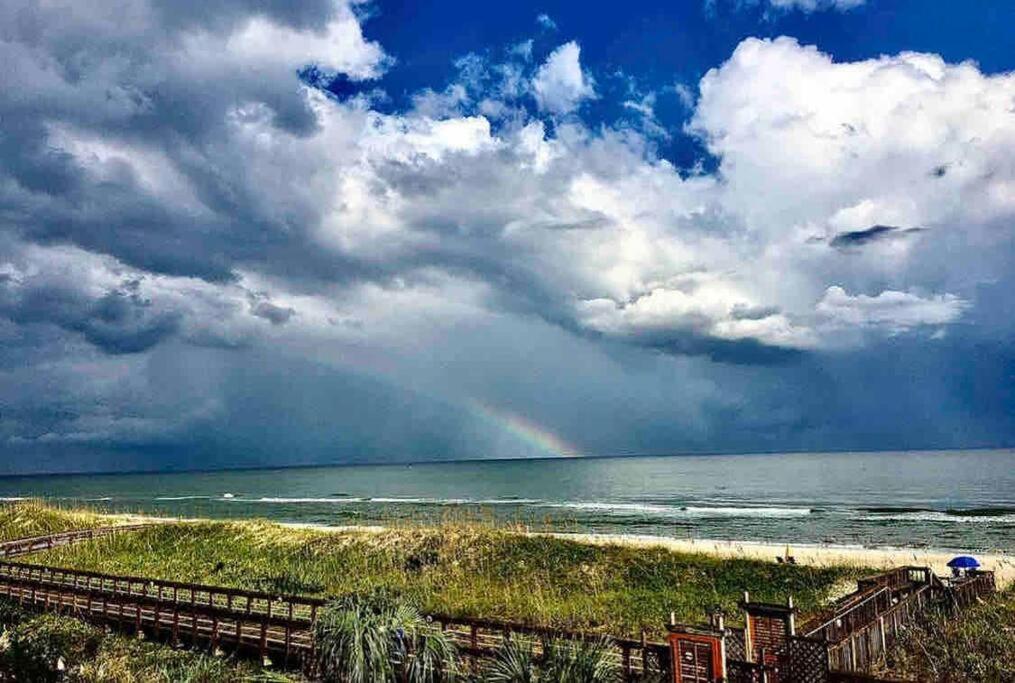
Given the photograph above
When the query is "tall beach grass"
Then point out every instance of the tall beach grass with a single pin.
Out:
(462, 570)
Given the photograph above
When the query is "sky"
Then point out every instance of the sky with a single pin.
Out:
(250, 233)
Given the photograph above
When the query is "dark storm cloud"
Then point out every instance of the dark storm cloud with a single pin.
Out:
(754, 312)
(733, 351)
(276, 315)
(119, 321)
(875, 233)
(140, 75)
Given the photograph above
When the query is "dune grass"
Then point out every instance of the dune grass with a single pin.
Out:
(976, 645)
(460, 569)
(24, 518)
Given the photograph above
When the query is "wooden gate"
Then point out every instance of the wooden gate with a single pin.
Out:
(698, 656)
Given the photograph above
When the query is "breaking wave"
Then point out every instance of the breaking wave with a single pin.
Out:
(948, 517)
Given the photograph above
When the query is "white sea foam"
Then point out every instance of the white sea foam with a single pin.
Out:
(611, 508)
(405, 501)
(943, 517)
(615, 507)
(507, 501)
(748, 511)
(183, 498)
(422, 501)
(458, 501)
(276, 499)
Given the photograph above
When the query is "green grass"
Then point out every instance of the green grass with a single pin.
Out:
(26, 518)
(977, 645)
(460, 569)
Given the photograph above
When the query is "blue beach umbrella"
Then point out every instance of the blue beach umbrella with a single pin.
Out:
(963, 562)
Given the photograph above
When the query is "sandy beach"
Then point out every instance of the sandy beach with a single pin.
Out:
(812, 555)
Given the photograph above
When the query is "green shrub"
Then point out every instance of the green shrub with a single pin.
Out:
(562, 661)
(579, 661)
(122, 659)
(31, 647)
(515, 662)
(377, 638)
(37, 648)
(11, 613)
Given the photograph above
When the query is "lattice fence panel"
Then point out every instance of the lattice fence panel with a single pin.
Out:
(743, 672)
(806, 661)
(735, 644)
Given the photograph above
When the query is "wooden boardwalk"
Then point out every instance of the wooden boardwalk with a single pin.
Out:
(276, 627)
(861, 628)
(852, 635)
(272, 626)
(24, 546)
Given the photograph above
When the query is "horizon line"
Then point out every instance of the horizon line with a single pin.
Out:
(452, 461)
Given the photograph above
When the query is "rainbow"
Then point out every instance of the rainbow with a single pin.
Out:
(524, 429)
(499, 419)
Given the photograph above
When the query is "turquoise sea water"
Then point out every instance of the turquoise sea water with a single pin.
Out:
(949, 499)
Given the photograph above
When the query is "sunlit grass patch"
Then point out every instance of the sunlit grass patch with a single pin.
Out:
(24, 518)
(460, 569)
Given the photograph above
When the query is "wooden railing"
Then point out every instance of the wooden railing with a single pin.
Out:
(873, 597)
(865, 626)
(481, 637)
(255, 621)
(247, 602)
(24, 546)
(866, 646)
(967, 590)
(205, 622)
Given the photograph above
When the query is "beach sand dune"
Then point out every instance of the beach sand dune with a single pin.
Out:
(812, 555)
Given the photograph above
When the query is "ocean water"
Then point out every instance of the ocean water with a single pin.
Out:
(963, 500)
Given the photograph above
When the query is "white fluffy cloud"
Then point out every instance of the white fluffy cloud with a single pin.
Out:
(560, 85)
(337, 47)
(895, 312)
(833, 178)
(905, 140)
